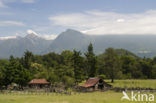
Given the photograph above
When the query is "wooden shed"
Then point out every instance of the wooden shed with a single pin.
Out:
(95, 84)
(39, 83)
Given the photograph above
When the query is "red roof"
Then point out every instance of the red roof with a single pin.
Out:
(39, 81)
(91, 82)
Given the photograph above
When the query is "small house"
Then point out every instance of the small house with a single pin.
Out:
(95, 84)
(39, 83)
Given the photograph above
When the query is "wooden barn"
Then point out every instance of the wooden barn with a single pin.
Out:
(95, 84)
(39, 83)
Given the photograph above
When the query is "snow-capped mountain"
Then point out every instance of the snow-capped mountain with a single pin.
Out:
(141, 45)
(16, 46)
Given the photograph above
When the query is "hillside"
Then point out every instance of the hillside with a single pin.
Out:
(141, 45)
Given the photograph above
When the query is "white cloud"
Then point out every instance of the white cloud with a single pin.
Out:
(8, 37)
(98, 22)
(11, 23)
(31, 32)
(49, 37)
(45, 36)
(120, 20)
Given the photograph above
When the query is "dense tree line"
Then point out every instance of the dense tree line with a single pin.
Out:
(73, 67)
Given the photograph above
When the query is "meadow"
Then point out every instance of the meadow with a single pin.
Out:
(94, 97)
(134, 83)
(90, 97)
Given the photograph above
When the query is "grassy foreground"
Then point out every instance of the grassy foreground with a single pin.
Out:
(96, 97)
(132, 83)
(150, 83)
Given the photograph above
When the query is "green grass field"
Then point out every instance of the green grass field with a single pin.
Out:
(134, 83)
(92, 97)
(149, 83)
(95, 97)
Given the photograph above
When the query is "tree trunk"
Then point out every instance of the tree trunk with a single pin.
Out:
(112, 80)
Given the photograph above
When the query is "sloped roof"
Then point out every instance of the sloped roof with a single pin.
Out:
(39, 81)
(91, 82)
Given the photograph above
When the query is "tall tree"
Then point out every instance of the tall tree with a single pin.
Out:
(27, 59)
(112, 63)
(10, 71)
(15, 73)
(22, 76)
(78, 66)
(91, 61)
(3, 64)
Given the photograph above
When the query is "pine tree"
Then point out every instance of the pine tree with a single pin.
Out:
(78, 66)
(91, 61)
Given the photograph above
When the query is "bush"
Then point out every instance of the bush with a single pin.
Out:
(102, 76)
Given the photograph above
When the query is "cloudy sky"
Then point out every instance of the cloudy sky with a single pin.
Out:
(93, 17)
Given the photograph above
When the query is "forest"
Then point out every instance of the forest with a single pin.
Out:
(72, 67)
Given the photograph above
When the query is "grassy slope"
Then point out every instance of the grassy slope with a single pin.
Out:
(149, 83)
(134, 83)
(96, 97)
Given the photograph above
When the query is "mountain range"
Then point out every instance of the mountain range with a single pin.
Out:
(141, 45)
(17, 46)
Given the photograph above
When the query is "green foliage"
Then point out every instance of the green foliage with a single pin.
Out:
(112, 63)
(27, 59)
(154, 71)
(52, 76)
(91, 62)
(102, 76)
(68, 81)
(78, 64)
(15, 73)
(37, 70)
(72, 67)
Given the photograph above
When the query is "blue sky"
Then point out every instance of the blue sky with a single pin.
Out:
(48, 17)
